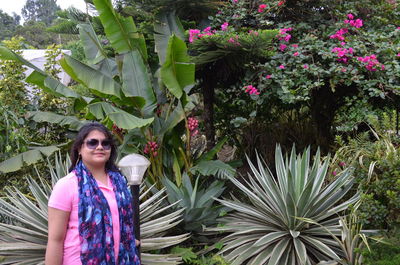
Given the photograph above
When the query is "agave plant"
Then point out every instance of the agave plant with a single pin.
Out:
(269, 227)
(196, 201)
(24, 240)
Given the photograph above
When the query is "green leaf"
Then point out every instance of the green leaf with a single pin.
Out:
(90, 77)
(213, 168)
(7, 54)
(211, 154)
(93, 49)
(50, 117)
(27, 158)
(177, 72)
(121, 31)
(39, 77)
(120, 117)
(136, 81)
(167, 24)
(177, 170)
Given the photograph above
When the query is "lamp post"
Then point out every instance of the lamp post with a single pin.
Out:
(133, 167)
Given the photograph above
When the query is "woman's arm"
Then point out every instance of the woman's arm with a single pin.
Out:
(58, 222)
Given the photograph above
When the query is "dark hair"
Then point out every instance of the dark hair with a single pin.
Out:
(82, 134)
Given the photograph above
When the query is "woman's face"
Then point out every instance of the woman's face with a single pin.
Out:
(96, 149)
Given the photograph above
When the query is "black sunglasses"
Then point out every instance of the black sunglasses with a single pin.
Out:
(93, 143)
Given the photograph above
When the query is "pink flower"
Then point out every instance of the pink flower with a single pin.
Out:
(193, 34)
(251, 90)
(281, 66)
(350, 16)
(282, 47)
(343, 70)
(193, 124)
(296, 54)
(334, 173)
(398, 55)
(372, 62)
(224, 26)
(208, 29)
(261, 8)
(287, 37)
(339, 34)
(358, 23)
(235, 1)
(295, 45)
(268, 76)
(252, 32)
(305, 66)
(398, 27)
(281, 3)
(342, 164)
(343, 43)
(231, 40)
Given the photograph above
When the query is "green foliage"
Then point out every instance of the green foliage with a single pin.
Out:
(305, 73)
(36, 35)
(14, 136)
(40, 10)
(376, 161)
(386, 252)
(8, 24)
(289, 218)
(189, 257)
(200, 210)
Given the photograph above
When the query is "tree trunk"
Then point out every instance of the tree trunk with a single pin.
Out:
(323, 109)
(208, 113)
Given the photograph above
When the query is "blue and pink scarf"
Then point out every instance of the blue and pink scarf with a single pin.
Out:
(95, 223)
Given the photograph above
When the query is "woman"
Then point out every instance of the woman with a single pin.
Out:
(90, 210)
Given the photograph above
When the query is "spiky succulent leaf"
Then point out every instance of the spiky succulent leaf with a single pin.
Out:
(274, 225)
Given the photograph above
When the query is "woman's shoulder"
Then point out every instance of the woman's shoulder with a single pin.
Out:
(69, 179)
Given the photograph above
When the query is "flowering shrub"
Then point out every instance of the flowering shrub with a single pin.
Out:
(322, 60)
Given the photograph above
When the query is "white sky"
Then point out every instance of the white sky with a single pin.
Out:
(10, 6)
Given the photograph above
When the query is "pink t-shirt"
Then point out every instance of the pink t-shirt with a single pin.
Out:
(65, 197)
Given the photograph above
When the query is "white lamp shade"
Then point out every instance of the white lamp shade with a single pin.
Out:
(133, 167)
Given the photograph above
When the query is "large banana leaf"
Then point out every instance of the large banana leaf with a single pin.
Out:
(165, 26)
(50, 117)
(39, 77)
(26, 158)
(93, 49)
(136, 81)
(121, 31)
(177, 72)
(90, 77)
(25, 242)
(120, 117)
(270, 227)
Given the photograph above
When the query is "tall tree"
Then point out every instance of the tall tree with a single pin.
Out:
(40, 10)
(8, 24)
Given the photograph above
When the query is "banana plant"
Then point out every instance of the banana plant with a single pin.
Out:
(23, 239)
(142, 107)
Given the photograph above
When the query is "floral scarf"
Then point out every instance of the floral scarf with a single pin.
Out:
(95, 223)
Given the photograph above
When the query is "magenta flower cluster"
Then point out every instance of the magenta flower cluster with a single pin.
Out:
(343, 53)
(261, 8)
(195, 34)
(251, 90)
(193, 124)
(151, 148)
(284, 35)
(339, 34)
(357, 23)
(372, 63)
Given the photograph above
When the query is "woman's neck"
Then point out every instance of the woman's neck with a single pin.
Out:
(99, 173)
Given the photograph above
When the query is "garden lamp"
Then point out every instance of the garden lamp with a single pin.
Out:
(133, 167)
